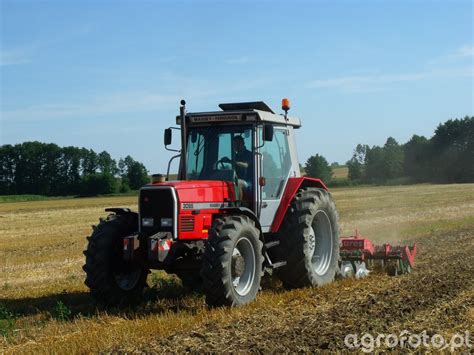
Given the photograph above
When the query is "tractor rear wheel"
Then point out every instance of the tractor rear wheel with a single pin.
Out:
(233, 262)
(113, 282)
(309, 240)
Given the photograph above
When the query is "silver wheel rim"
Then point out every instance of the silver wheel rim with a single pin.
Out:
(320, 243)
(243, 266)
(127, 280)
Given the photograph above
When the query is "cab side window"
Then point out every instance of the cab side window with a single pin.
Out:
(276, 164)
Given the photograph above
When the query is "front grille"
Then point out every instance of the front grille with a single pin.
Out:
(186, 223)
(156, 204)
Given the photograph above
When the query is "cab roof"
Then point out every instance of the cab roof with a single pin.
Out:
(241, 111)
(255, 105)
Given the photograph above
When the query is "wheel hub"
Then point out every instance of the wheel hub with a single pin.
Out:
(243, 266)
(320, 242)
(238, 266)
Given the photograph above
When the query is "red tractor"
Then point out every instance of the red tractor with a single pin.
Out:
(239, 208)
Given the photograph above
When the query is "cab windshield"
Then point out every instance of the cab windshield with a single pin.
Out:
(220, 152)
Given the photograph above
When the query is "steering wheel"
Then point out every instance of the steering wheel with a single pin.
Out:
(224, 160)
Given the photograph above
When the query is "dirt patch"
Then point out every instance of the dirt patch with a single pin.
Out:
(437, 298)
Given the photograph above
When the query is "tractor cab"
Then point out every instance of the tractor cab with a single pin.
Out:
(246, 144)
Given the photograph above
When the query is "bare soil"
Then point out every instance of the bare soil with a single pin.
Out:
(438, 297)
(45, 307)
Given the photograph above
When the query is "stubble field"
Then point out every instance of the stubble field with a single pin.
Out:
(45, 307)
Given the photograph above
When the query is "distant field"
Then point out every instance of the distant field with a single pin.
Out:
(340, 172)
(27, 198)
(45, 307)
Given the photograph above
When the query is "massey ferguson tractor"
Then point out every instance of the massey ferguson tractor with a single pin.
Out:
(239, 208)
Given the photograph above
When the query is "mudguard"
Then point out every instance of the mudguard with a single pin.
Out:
(292, 187)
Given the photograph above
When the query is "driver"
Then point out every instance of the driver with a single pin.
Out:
(243, 162)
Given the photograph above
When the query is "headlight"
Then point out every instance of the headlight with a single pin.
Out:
(167, 222)
(147, 222)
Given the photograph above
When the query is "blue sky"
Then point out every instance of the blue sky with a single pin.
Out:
(108, 75)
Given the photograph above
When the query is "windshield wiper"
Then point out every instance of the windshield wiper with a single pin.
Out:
(199, 148)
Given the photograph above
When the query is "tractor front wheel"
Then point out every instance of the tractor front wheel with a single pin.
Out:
(113, 282)
(232, 262)
(309, 240)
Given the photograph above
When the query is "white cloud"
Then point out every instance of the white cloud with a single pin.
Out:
(448, 66)
(199, 94)
(23, 54)
(239, 60)
(112, 104)
(465, 51)
(14, 57)
(356, 81)
(457, 55)
(377, 82)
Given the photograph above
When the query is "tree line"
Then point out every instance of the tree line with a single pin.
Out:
(47, 169)
(446, 157)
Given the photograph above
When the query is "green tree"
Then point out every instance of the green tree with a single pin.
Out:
(318, 167)
(133, 173)
(89, 161)
(137, 176)
(356, 164)
(28, 168)
(453, 151)
(374, 164)
(416, 159)
(384, 163)
(46, 169)
(106, 164)
(8, 160)
(98, 184)
(393, 159)
(69, 171)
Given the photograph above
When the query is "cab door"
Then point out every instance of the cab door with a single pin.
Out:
(275, 166)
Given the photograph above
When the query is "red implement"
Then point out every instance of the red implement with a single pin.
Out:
(396, 259)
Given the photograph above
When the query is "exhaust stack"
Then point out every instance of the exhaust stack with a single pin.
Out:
(182, 113)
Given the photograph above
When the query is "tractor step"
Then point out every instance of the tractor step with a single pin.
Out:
(272, 244)
(277, 265)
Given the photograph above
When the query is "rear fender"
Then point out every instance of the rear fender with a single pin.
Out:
(294, 184)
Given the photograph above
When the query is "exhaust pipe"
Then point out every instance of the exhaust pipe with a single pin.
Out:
(182, 114)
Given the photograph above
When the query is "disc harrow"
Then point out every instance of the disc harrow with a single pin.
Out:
(359, 254)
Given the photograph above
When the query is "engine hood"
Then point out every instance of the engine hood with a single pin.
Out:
(202, 190)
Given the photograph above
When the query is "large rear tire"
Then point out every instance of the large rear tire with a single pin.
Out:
(113, 282)
(309, 240)
(233, 262)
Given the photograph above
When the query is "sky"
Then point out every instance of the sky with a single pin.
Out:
(109, 75)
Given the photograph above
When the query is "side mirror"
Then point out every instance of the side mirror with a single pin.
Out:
(267, 132)
(168, 136)
(194, 136)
